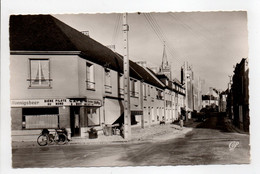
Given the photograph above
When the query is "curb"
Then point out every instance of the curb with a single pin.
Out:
(158, 136)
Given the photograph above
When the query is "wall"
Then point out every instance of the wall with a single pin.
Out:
(64, 77)
(152, 103)
(16, 118)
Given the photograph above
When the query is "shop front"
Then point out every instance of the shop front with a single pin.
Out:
(74, 115)
(84, 114)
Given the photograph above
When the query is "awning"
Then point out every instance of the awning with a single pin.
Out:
(137, 112)
(113, 110)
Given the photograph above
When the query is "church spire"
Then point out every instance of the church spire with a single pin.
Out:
(165, 67)
(164, 58)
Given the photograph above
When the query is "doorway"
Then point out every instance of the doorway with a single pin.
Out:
(75, 121)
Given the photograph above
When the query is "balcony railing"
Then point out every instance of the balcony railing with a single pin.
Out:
(108, 89)
(134, 94)
(121, 91)
(159, 97)
(39, 82)
(90, 85)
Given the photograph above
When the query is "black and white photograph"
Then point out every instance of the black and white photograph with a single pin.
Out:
(129, 89)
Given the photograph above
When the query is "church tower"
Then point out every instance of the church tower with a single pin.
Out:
(165, 68)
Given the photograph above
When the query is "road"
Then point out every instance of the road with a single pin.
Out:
(209, 143)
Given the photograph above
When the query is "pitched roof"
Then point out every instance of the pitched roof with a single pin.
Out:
(147, 76)
(46, 33)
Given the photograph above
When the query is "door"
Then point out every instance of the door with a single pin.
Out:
(75, 121)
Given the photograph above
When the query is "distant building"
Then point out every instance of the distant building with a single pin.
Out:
(210, 99)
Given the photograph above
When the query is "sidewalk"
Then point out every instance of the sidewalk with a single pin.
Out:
(153, 133)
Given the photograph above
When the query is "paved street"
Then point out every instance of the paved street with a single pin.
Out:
(210, 143)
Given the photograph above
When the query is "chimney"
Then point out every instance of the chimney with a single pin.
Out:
(142, 63)
(154, 69)
(85, 33)
(111, 47)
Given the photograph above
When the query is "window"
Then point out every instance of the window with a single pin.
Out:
(148, 90)
(133, 88)
(39, 118)
(39, 73)
(159, 94)
(90, 76)
(108, 87)
(144, 91)
(152, 113)
(157, 112)
(93, 116)
(162, 111)
(121, 85)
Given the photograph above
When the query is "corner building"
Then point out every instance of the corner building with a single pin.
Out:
(63, 78)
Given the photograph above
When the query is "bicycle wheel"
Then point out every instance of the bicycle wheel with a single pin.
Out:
(62, 139)
(51, 139)
(42, 140)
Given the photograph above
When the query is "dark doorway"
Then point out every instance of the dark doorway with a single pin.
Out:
(75, 121)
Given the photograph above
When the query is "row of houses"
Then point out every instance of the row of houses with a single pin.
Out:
(238, 96)
(63, 78)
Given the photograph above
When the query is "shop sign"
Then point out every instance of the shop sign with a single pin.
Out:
(54, 102)
(88, 102)
(92, 102)
(39, 102)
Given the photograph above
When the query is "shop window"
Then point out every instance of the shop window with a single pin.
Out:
(108, 87)
(39, 118)
(90, 81)
(93, 116)
(39, 75)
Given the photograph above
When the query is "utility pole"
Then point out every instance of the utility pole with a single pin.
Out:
(192, 89)
(199, 97)
(230, 82)
(127, 116)
(186, 87)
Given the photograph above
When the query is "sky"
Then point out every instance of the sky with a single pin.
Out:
(211, 42)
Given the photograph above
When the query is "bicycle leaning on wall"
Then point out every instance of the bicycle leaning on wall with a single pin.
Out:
(60, 136)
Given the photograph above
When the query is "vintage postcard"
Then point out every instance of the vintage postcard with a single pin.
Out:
(129, 89)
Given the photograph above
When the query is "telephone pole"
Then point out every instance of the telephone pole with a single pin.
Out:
(230, 82)
(199, 92)
(186, 87)
(127, 116)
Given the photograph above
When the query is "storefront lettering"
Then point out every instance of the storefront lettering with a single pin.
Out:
(55, 102)
(25, 103)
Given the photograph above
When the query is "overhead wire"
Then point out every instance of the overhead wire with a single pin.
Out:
(160, 34)
(116, 29)
(171, 50)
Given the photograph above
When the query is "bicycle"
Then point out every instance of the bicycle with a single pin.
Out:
(59, 137)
